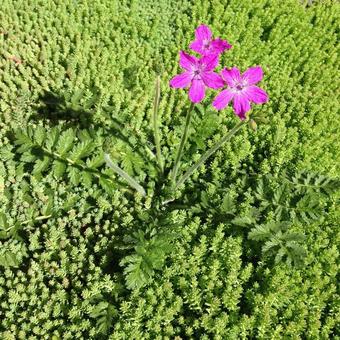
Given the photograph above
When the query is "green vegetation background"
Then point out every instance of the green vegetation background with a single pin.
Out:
(83, 64)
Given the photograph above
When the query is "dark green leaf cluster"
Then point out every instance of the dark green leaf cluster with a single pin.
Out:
(104, 313)
(300, 198)
(149, 255)
(280, 242)
(65, 153)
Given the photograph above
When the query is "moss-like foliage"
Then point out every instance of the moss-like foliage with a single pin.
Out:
(83, 257)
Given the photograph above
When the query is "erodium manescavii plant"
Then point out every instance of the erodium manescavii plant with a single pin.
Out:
(198, 76)
(111, 228)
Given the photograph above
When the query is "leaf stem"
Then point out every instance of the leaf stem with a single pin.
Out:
(209, 152)
(39, 218)
(183, 140)
(155, 124)
(133, 183)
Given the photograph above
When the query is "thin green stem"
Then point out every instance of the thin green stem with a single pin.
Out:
(39, 218)
(209, 152)
(124, 175)
(183, 140)
(155, 124)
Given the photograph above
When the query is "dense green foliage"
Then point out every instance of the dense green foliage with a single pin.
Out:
(248, 249)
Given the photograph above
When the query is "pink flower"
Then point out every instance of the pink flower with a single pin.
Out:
(198, 75)
(241, 89)
(205, 45)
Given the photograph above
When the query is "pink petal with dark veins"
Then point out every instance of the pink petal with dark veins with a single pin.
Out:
(197, 91)
(241, 105)
(203, 32)
(256, 94)
(222, 99)
(181, 80)
(187, 61)
(212, 80)
(253, 75)
(231, 76)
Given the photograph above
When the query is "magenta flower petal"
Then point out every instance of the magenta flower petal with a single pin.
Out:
(253, 75)
(223, 99)
(231, 76)
(210, 62)
(212, 80)
(197, 91)
(220, 45)
(187, 61)
(241, 90)
(197, 46)
(241, 105)
(205, 45)
(198, 75)
(181, 80)
(256, 95)
(203, 32)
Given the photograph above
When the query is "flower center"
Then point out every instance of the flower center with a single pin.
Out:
(197, 72)
(240, 85)
(206, 44)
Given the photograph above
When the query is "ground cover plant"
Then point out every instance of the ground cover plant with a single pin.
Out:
(101, 238)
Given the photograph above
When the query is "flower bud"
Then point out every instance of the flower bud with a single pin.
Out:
(252, 124)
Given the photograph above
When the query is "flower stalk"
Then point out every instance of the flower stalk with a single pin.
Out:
(156, 126)
(181, 145)
(133, 183)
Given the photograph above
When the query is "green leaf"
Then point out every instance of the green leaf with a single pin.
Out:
(28, 157)
(74, 175)
(132, 182)
(39, 135)
(87, 179)
(131, 162)
(243, 221)
(52, 138)
(41, 165)
(204, 129)
(81, 150)
(280, 241)
(135, 276)
(48, 209)
(70, 202)
(260, 232)
(24, 140)
(3, 221)
(107, 185)
(150, 255)
(65, 142)
(228, 205)
(3, 235)
(96, 161)
(270, 245)
(58, 168)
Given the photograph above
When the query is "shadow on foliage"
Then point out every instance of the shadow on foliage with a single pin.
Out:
(54, 109)
(76, 111)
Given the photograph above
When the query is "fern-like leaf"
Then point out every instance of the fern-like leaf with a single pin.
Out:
(149, 256)
(280, 241)
(104, 313)
(58, 168)
(81, 150)
(65, 142)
